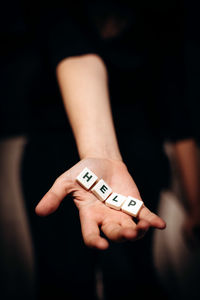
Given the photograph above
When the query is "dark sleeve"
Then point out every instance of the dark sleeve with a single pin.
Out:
(65, 35)
(177, 102)
(176, 117)
(192, 63)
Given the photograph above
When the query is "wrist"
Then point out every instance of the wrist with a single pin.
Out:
(105, 161)
(103, 154)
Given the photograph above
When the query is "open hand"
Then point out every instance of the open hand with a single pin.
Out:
(95, 215)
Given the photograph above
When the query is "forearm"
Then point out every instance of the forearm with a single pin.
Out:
(84, 87)
(187, 158)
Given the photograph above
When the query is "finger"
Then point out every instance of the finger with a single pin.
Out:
(52, 199)
(154, 220)
(113, 231)
(91, 233)
(131, 231)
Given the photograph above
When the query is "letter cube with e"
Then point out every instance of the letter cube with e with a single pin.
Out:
(101, 190)
(86, 178)
(115, 201)
(132, 206)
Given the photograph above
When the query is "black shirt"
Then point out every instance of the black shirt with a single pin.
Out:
(141, 43)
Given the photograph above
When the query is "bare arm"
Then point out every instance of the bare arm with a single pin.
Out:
(83, 83)
(187, 158)
(84, 88)
(188, 161)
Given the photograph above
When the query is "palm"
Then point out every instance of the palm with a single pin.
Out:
(116, 225)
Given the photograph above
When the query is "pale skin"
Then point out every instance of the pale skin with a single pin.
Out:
(83, 82)
(188, 164)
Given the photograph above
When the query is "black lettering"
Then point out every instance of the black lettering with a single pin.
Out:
(114, 199)
(103, 189)
(88, 177)
(132, 203)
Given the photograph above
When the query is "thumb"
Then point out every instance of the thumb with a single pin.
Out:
(52, 199)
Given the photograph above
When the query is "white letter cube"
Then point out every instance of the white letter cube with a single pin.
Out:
(115, 201)
(86, 178)
(101, 190)
(132, 206)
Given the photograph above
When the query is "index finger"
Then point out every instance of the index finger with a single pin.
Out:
(152, 218)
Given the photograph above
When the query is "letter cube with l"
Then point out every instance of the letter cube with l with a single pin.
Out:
(132, 206)
(101, 190)
(86, 178)
(115, 201)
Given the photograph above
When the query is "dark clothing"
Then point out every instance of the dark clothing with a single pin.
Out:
(145, 50)
(144, 59)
